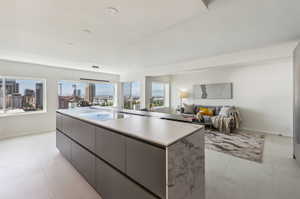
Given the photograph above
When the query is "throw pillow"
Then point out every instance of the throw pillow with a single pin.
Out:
(188, 109)
(199, 116)
(207, 111)
(225, 111)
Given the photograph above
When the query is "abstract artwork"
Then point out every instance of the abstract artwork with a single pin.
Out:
(213, 91)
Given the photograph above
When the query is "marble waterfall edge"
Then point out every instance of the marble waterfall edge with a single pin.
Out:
(186, 167)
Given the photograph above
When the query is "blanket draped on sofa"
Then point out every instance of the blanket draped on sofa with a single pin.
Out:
(226, 123)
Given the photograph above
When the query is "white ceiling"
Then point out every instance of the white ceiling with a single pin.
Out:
(145, 34)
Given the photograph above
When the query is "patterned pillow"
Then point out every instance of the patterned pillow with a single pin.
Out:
(225, 111)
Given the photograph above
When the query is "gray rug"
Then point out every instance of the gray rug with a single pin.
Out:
(246, 145)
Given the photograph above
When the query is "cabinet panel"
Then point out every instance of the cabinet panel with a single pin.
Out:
(110, 184)
(84, 133)
(111, 147)
(63, 144)
(67, 124)
(147, 165)
(84, 162)
(59, 121)
(297, 104)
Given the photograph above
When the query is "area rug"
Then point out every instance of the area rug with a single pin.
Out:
(246, 145)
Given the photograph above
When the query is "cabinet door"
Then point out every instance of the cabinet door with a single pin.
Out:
(110, 184)
(84, 162)
(59, 122)
(63, 144)
(84, 133)
(111, 147)
(147, 165)
(67, 123)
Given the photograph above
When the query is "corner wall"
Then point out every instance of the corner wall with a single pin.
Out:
(17, 125)
(263, 93)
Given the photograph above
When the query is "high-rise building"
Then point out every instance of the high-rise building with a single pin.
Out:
(77, 93)
(14, 101)
(39, 95)
(29, 92)
(60, 89)
(90, 92)
(74, 90)
(29, 100)
(11, 86)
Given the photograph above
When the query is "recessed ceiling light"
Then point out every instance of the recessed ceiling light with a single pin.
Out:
(112, 11)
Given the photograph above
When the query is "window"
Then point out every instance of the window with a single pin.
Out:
(131, 93)
(85, 94)
(105, 94)
(21, 95)
(159, 94)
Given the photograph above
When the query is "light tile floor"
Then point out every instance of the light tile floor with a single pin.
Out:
(32, 168)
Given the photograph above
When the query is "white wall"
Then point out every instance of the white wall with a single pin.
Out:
(42, 122)
(263, 93)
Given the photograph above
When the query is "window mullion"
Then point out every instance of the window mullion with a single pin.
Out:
(3, 94)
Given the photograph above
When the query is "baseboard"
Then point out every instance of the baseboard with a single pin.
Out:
(25, 134)
(265, 132)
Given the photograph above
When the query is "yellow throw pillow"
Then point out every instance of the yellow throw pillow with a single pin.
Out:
(206, 111)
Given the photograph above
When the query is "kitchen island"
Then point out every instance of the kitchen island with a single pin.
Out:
(126, 156)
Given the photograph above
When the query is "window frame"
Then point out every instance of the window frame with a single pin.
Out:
(4, 78)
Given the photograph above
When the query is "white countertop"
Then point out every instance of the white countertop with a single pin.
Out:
(149, 129)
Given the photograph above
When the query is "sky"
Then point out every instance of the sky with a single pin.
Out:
(158, 89)
(135, 89)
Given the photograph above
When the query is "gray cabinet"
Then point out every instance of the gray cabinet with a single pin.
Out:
(111, 147)
(141, 167)
(59, 122)
(297, 104)
(84, 162)
(67, 124)
(147, 165)
(80, 131)
(84, 133)
(110, 184)
(63, 144)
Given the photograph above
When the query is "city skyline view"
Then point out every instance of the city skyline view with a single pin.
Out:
(25, 84)
(21, 95)
(102, 89)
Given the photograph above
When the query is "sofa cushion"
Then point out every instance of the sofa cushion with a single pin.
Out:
(207, 111)
(216, 109)
(189, 109)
